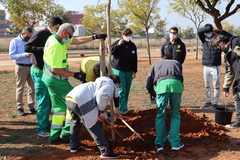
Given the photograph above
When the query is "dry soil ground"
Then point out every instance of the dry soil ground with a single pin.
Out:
(203, 138)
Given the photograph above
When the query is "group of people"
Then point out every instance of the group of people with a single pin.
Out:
(42, 61)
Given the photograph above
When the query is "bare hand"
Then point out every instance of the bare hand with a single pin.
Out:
(121, 42)
(101, 115)
(225, 94)
(28, 54)
(117, 113)
(133, 75)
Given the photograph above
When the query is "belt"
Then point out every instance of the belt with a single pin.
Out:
(27, 65)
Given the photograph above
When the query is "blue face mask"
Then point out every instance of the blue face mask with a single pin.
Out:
(209, 35)
(65, 40)
(54, 32)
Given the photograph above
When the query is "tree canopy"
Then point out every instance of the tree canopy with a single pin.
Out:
(210, 7)
(29, 12)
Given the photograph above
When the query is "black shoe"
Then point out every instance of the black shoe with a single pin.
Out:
(63, 137)
(207, 105)
(58, 141)
(233, 125)
(108, 154)
(74, 150)
(215, 105)
(33, 111)
(181, 145)
(21, 112)
(159, 148)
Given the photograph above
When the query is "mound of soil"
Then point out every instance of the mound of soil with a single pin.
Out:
(196, 131)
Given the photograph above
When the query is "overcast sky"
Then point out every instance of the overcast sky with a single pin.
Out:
(172, 18)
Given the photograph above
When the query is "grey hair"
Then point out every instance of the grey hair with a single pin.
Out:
(66, 27)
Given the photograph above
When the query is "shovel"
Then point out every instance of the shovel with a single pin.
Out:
(108, 123)
(137, 140)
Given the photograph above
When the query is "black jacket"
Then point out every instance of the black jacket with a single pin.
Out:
(211, 56)
(178, 49)
(36, 45)
(124, 56)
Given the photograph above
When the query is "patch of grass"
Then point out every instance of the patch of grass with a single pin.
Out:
(11, 139)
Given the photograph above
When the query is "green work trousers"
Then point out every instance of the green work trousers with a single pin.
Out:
(124, 88)
(43, 102)
(58, 89)
(161, 132)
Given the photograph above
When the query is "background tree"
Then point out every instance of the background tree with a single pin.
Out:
(209, 6)
(142, 13)
(188, 33)
(95, 20)
(12, 29)
(191, 11)
(29, 12)
(160, 29)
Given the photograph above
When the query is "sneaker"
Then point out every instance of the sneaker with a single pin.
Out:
(21, 112)
(74, 150)
(215, 105)
(66, 138)
(181, 145)
(44, 134)
(33, 111)
(207, 105)
(233, 125)
(159, 148)
(108, 154)
(126, 111)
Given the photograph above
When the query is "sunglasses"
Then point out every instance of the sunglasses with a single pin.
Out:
(69, 35)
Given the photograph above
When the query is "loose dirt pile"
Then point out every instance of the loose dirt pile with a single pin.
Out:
(197, 133)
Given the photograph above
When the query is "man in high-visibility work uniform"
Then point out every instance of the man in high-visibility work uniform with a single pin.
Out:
(56, 74)
(90, 67)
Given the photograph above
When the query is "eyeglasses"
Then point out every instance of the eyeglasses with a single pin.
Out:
(70, 36)
(173, 32)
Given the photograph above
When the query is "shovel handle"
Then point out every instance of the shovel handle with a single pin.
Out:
(107, 122)
(130, 127)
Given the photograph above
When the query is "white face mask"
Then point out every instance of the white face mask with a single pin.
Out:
(172, 36)
(127, 38)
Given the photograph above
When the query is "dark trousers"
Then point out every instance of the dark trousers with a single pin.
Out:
(95, 131)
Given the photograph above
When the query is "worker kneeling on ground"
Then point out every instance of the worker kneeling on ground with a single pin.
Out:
(88, 102)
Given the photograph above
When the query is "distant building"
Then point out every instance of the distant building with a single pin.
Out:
(3, 25)
(75, 17)
(79, 30)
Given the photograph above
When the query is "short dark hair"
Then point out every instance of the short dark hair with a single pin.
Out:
(96, 70)
(174, 28)
(55, 21)
(115, 78)
(218, 39)
(26, 29)
(127, 31)
(167, 56)
(207, 25)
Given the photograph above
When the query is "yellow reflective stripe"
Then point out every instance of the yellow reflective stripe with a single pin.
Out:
(58, 119)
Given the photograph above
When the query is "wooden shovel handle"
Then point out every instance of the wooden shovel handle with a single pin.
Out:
(106, 121)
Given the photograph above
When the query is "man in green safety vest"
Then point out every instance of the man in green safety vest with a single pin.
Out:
(56, 74)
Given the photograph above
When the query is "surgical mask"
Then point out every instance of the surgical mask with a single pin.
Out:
(209, 35)
(53, 32)
(26, 39)
(65, 40)
(172, 36)
(127, 38)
